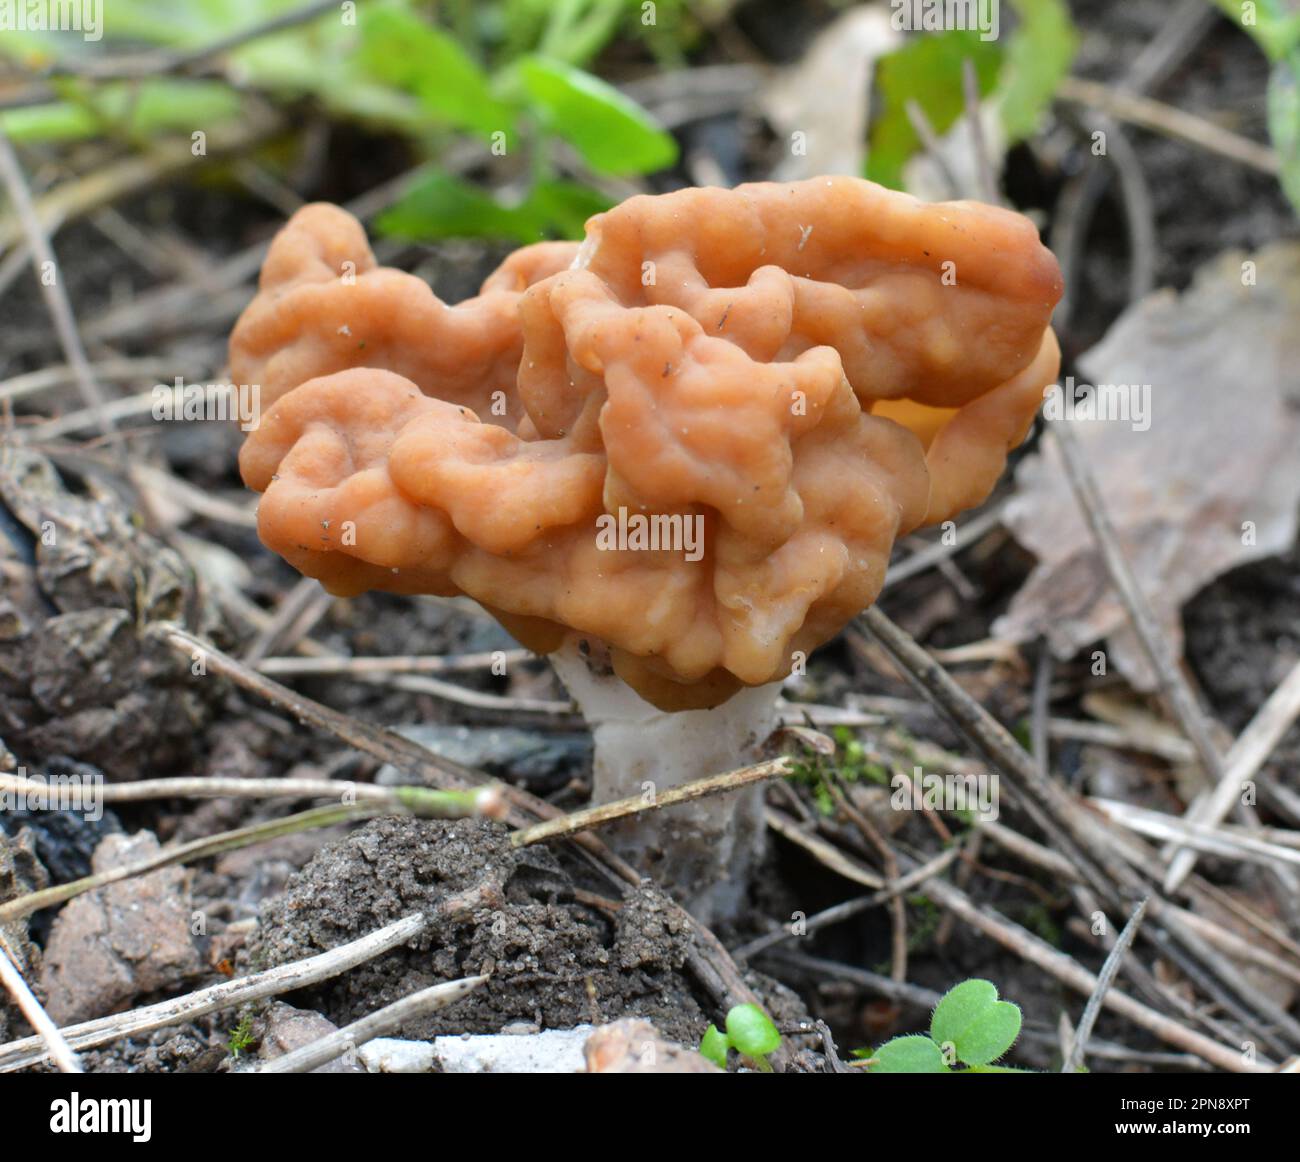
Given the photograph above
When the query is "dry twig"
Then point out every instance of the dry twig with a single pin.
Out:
(226, 995)
(1177, 692)
(379, 1024)
(47, 1032)
(1172, 122)
(1247, 755)
(603, 813)
(185, 852)
(51, 282)
(1074, 1059)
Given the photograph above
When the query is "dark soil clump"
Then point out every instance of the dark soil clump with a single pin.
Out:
(555, 960)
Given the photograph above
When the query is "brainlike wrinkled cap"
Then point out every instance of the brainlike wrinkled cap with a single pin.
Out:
(798, 373)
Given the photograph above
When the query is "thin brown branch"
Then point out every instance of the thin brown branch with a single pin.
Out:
(849, 908)
(295, 617)
(889, 862)
(822, 850)
(968, 534)
(1050, 805)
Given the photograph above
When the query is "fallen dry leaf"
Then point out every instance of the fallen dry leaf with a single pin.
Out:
(1213, 483)
(825, 98)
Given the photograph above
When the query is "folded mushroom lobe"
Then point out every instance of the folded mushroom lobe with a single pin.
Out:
(323, 305)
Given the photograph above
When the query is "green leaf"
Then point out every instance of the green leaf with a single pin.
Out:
(1273, 24)
(978, 1026)
(914, 1054)
(1037, 59)
(928, 70)
(564, 207)
(401, 49)
(714, 1046)
(437, 205)
(576, 30)
(613, 134)
(60, 121)
(751, 1031)
(149, 109)
(155, 22)
(1284, 122)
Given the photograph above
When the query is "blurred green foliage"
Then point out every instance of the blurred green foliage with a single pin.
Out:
(1275, 27)
(437, 205)
(1019, 71)
(516, 78)
(1038, 57)
(508, 75)
(927, 70)
(124, 109)
(1274, 24)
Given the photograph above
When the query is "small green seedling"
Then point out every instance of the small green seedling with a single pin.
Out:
(750, 1033)
(970, 1028)
(241, 1036)
(822, 774)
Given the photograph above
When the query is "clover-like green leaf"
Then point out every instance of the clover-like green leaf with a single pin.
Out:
(714, 1046)
(978, 1026)
(914, 1054)
(751, 1031)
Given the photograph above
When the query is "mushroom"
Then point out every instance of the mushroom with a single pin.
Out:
(676, 458)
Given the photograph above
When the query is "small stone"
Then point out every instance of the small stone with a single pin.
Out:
(633, 1046)
(393, 1055)
(554, 1051)
(122, 941)
(285, 1029)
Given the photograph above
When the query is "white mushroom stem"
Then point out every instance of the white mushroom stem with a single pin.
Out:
(703, 852)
